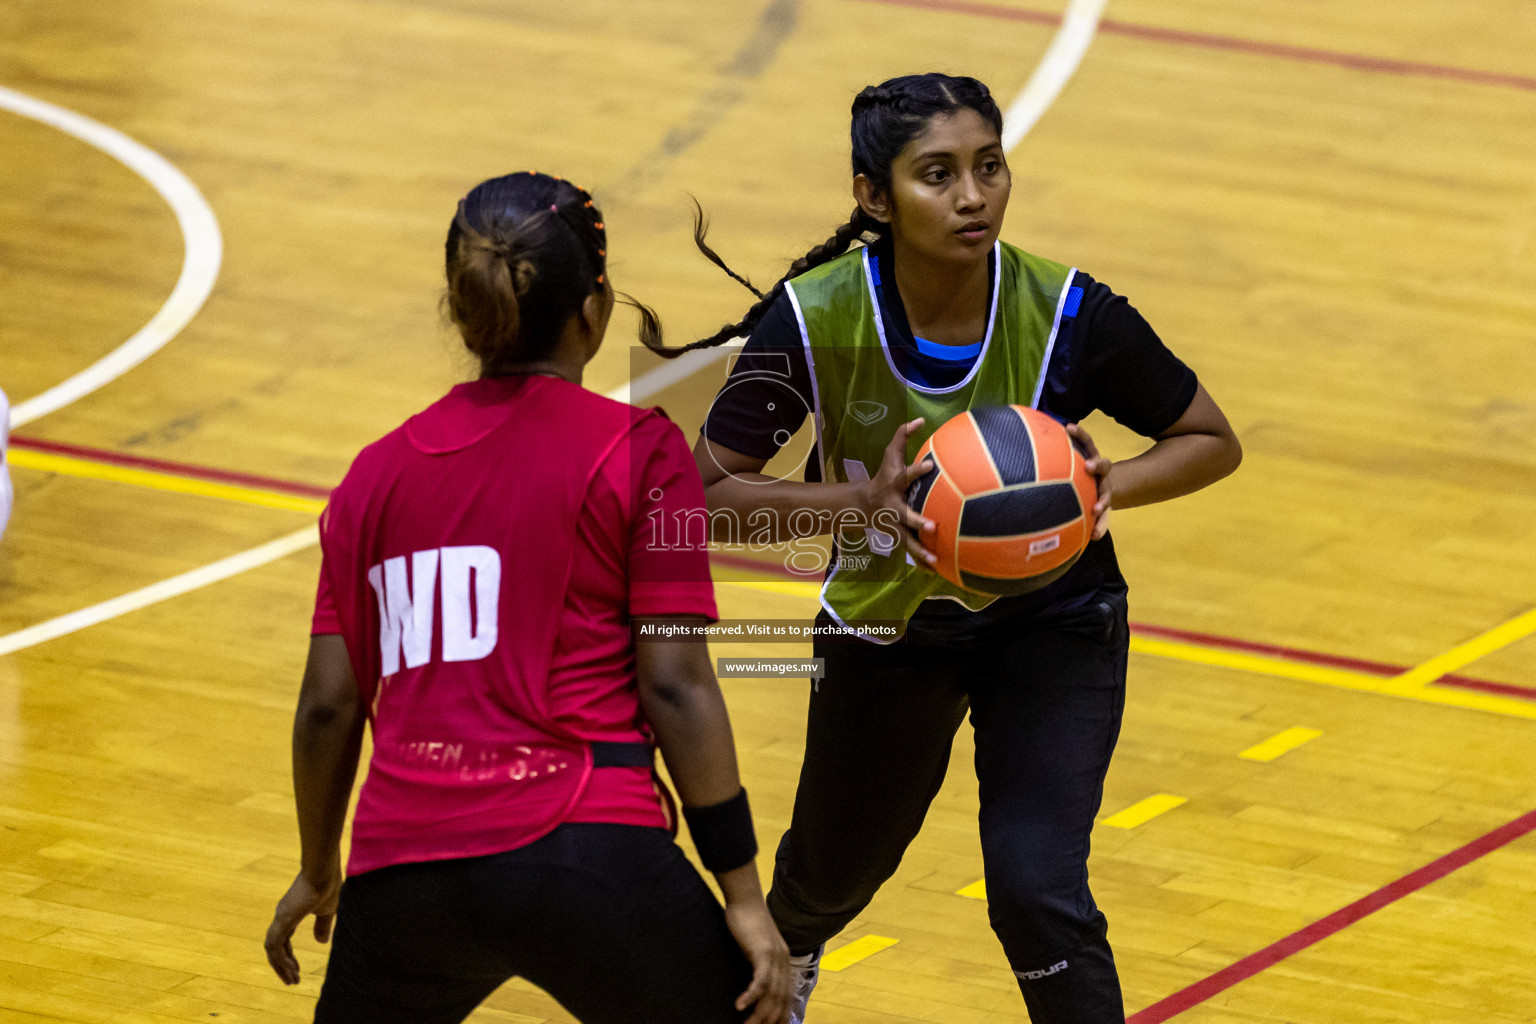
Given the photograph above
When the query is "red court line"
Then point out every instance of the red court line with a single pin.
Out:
(1375, 668)
(222, 476)
(1487, 686)
(197, 472)
(1335, 922)
(1213, 41)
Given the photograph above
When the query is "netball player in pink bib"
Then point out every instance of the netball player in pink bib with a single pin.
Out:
(483, 566)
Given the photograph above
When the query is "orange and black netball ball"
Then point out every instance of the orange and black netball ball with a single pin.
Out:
(1011, 498)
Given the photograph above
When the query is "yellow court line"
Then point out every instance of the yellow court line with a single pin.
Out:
(1411, 685)
(69, 466)
(1143, 811)
(1389, 686)
(1517, 628)
(1263, 664)
(794, 588)
(861, 948)
(975, 891)
(1281, 743)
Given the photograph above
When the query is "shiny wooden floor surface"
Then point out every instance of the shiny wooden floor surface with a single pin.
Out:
(1328, 210)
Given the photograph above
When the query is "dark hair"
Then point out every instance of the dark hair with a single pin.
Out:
(523, 253)
(885, 118)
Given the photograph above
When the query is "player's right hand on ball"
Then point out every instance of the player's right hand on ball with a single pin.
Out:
(885, 496)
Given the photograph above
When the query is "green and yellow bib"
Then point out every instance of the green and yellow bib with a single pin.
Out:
(861, 399)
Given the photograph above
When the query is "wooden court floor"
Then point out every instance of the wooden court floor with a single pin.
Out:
(1329, 210)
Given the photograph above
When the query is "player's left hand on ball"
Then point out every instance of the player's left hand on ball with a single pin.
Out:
(1098, 465)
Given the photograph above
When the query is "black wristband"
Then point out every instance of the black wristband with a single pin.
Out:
(722, 833)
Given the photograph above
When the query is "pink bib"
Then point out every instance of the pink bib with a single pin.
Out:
(449, 548)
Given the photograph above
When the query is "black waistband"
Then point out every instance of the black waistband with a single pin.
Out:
(622, 755)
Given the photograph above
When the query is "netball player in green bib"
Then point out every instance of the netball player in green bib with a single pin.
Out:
(879, 346)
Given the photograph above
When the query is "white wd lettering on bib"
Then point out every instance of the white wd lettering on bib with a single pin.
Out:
(470, 588)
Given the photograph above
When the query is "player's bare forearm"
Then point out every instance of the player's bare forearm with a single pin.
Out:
(746, 505)
(327, 739)
(1173, 467)
(774, 510)
(682, 701)
(1195, 452)
(740, 885)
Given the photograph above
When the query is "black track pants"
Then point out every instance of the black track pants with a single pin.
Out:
(1046, 701)
(611, 920)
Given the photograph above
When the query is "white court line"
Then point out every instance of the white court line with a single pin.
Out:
(1068, 47)
(204, 250)
(643, 387)
(1061, 60)
(1062, 57)
(223, 569)
(672, 371)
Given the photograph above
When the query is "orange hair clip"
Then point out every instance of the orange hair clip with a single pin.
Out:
(598, 225)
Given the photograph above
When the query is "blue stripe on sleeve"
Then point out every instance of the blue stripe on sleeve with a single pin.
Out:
(1074, 299)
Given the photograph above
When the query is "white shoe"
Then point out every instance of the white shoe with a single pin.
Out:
(806, 969)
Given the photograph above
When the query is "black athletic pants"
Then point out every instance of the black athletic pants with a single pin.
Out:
(611, 920)
(1046, 702)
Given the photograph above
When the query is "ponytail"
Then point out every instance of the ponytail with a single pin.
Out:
(484, 285)
(524, 251)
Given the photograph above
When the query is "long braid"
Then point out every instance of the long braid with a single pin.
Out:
(700, 229)
(857, 225)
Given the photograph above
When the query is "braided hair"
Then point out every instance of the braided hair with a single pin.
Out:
(885, 118)
(524, 251)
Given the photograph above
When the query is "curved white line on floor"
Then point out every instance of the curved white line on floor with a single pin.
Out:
(199, 266)
(1068, 46)
(196, 579)
(1079, 24)
(1061, 60)
(263, 554)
